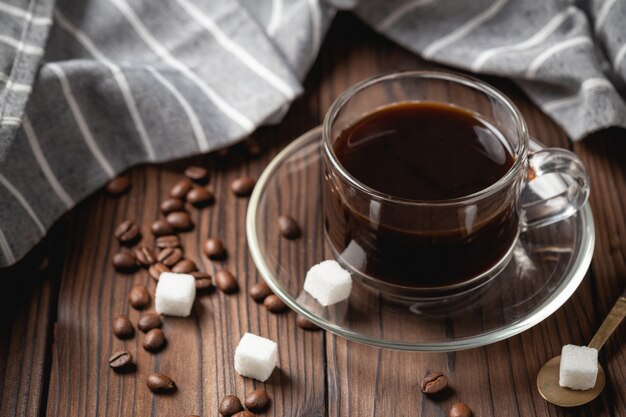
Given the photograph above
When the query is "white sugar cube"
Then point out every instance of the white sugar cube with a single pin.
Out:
(579, 367)
(328, 282)
(175, 294)
(255, 357)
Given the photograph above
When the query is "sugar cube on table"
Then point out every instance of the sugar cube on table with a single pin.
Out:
(175, 294)
(255, 357)
(328, 282)
(579, 367)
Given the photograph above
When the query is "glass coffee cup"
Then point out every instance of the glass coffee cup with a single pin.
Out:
(435, 246)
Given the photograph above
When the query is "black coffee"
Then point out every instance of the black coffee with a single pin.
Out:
(423, 152)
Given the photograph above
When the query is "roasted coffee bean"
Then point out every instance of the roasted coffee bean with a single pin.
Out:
(459, 410)
(161, 228)
(226, 282)
(244, 414)
(170, 256)
(243, 186)
(180, 220)
(124, 261)
(184, 267)
(214, 248)
(127, 232)
(434, 382)
(200, 197)
(305, 324)
(181, 188)
(257, 401)
(157, 269)
(203, 280)
(122, 327)
(253, 147)
(230, 405)
(154, 340)
(288, 227)
(197, 174)
(144, 256)
(118, 186)
(259, 291)
(168, 241)
(139, 297)
(149, 321)
(172, 204)
(274, 304)
(121, 361)
(160, 383)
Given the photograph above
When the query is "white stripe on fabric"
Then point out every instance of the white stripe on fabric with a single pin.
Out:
(587, 85)
(119, 77)
(28, 49)
(19, 197)
(165, 55)
(603, 13)
(24, 14)
(404, 9)
(539, 60)
(203, 143)
(277, 11)
(6, 249)
(534, 40)
(10, 121)
(10, 85)
(244, 56)
(619, 56)
(80, 120)
(316, 26)
(463, 30)
(43, 164)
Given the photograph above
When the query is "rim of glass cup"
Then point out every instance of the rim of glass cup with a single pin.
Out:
(471, 82)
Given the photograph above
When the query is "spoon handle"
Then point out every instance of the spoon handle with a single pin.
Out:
(610, 323)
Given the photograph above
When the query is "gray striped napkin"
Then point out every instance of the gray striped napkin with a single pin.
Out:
(89, 88)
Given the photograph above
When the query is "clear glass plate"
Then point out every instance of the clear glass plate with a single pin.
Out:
(547, 266)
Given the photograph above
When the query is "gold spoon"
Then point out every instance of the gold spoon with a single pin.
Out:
(548, 377)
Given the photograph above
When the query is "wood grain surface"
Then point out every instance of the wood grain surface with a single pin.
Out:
(55, 325)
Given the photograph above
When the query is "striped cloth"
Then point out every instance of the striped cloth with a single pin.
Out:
(89, 88)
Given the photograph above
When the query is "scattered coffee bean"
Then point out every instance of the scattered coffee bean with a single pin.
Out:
(172, 204)
(214, 248)
(230, 405)
(257, 401)
(288, 227)
(161, 228)
(203, 280)
(244, 414)
(122, 327)
(200, 197)
(306, 324)
(197, 174)
(253, 147)
(44, 262)
(180, 220)
(124, 261)
(181, 188)
(160, 383)
(118, 186)
(459, 410)
(127, 232)
(156, 269)
(259, 291)
(170, 256)
(139, 297)
(168, 241)
(121, 361)
(185, 266)
(226, 282)
(243, 186)
(274, 304)
(154, 340)
(144, 256)
(149, 321)
(434, 382)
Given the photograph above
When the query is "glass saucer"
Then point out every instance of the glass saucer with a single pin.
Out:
(547, 266)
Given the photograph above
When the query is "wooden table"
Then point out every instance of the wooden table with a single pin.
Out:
(55, 325)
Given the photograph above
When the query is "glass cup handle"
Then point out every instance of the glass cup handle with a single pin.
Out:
(557, 187)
